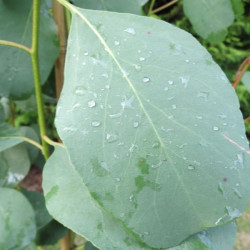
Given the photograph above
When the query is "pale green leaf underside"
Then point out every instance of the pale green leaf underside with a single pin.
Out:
(63, 188)
(17, 220)
(148, 115)
(210, 19)
(125, 6)
(246, 80)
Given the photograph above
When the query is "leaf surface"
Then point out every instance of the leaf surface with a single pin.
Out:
(148, 115)
(17, 220)
(125, 6)
(210, 19)
(64, 188)
(16, 69)
(246, 80)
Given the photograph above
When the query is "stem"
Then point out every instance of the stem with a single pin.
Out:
(12, 113)
(247, 119)
(164, 6)
(52, 143)
(241, 70)
(36, 75)
(151, 7)
(67, 18)
(15, 45)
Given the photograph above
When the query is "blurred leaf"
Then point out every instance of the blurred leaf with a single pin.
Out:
(246, 79)
(157, 125)
(14, 165)
(15, 25)
(50, 233)
(31, 134)
(38, 203)
(89, 246)
(210, 19)
(125, 6)
(238, 7)
(17, 220)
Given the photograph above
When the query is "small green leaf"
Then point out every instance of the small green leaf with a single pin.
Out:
(238, 7)
(17, 220)
(125, 6)
(210, 19)
(147, 114)
(14, 164)
(16, 69)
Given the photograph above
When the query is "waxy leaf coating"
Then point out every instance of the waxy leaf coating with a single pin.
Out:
(152, 126)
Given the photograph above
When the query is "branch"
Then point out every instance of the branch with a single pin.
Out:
(15, 45)
(164, 6)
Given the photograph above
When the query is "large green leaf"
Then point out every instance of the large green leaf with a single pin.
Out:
(81, 213)
(14, 165)
(210, 19)
(17, 220)
(15, 25)
(152, 126)
(125, 6)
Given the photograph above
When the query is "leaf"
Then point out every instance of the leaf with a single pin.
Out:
(30, 133)
(15, 165)
(8, 136)
(210, 19)
(238, 7)
(16, 70)
(124, 6)
(37, 201)
(153, 127)
(246, 80)
(81, 213)
(17, 226)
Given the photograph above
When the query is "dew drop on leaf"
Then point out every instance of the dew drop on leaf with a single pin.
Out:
(191, 167)
(117, 43)
(130, 31)
(111, 137)
(80, 90)
(145, 79)
(142, 59)
(95, 123)
(215, 128)
(170, 82)
(156, 145)
(86, 53)
(91, 104)
(135, 124)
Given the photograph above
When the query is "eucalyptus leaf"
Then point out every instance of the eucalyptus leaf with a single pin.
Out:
(246, 80)
(124, 6)
(238, 7)
(210, 19)
(82, 214)
(17, 220)
(15, 25)
(8, 136)
(38, 203)
(157, 125)
(15, 165)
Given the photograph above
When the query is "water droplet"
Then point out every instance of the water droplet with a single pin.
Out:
(173, 106)
(86, 53)
(131, 197)
(185, 80)
(191, 167)
(117, 43)
(137, 67)
(107, 86)
(156, 145)
(220, 188)
(117, 115)
(215, 128)
(69, 129)
(127, 103)
(111, 137)
(91, 104)
(104, 165)
(80, 90)
(187, 60)
(222, 116)
(170, 98)
(233, 212)
(124, 73)
(182, 145)
(156, 165)
(95, 123)
(203, 143)
(145, 79)
(218, 221)
(135, 124)
(203, 95)
(105, 75)
(199, 117)
(118, 179)
(170, 117)
(170, 82)
(237, 192)
(83, 63)
(166, 89)
(142, 59)
(130, 31)
(132, 147)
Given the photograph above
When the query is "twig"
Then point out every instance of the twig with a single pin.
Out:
(164, 6)
(15, 45)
